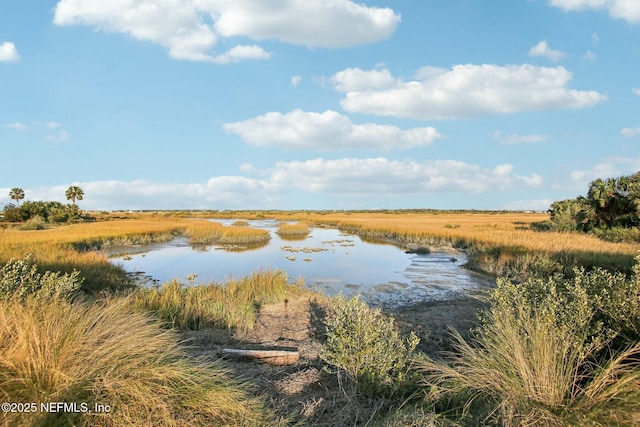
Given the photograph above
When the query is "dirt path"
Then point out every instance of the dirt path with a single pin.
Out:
(304, 393)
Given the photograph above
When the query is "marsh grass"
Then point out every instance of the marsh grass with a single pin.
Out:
(233, 304)
(52, 350)
(293, 231)
(205, 232)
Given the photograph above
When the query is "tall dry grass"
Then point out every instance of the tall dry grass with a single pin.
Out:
(501, 243)
(104, 353)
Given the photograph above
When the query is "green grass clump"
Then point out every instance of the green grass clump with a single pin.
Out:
(365, 344)
(233, 304)
(53, 350)
(544, 355)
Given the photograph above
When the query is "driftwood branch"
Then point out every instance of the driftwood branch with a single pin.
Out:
(272, 357)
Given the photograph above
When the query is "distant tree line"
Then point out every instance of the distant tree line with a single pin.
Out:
(43, 212)
(611, 210)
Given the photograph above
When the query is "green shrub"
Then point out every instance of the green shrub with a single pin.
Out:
(618, 234)
(34, 223)
(49, 212)
(364, 344)
(20, 279)
(617, 298)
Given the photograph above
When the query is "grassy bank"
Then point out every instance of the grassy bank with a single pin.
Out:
(233, 304)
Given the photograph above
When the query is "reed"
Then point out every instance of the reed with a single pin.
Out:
(103, 353)
(233, 304)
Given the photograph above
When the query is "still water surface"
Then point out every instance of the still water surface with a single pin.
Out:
(329, 261)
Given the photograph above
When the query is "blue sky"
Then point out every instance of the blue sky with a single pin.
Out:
(317, 104)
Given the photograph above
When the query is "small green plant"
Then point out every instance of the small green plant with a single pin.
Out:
(365, 344)
(20, 279)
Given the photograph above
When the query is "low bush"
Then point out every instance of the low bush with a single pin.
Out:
(20, 279)
(365, 344)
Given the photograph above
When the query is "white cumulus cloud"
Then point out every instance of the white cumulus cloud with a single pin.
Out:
(636, 91)
(8, 52)
(190, 29)
(326, 131)
(59, 136)
(543, 49)
(464, 91)
(628, 10)
(578, 180)
(384, 177)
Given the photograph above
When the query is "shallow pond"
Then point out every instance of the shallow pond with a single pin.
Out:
(328, 260)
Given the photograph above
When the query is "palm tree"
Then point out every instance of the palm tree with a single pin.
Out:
(16, 194)
(74, 193)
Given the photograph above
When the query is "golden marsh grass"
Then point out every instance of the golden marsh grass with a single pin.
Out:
(298, 229)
